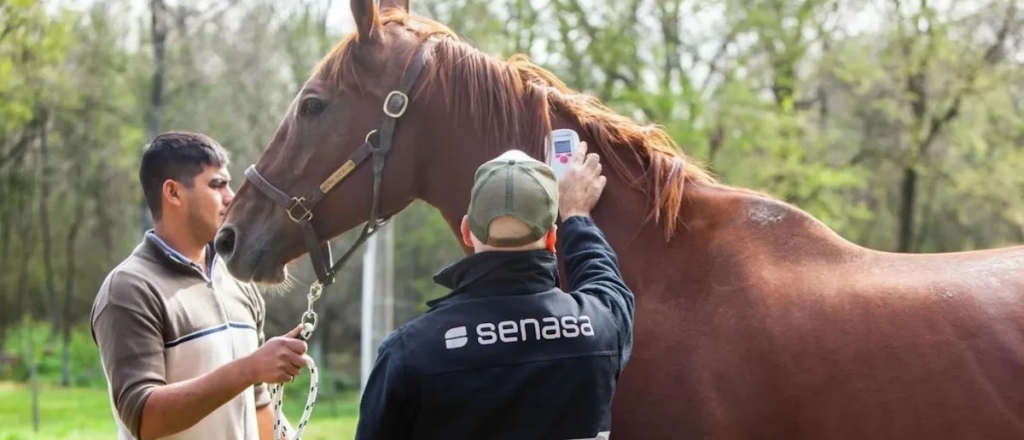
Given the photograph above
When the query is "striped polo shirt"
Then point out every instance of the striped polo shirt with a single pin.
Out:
(159, 319)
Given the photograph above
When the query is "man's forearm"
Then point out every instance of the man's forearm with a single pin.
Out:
(176, 407)
(592, 267)
(588, 256)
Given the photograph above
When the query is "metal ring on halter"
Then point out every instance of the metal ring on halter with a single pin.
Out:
(401, 111)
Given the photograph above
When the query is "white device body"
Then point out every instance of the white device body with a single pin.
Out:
(561, 146)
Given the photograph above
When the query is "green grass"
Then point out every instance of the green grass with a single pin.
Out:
(84, 414)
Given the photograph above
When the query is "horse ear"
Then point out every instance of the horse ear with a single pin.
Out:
(400, 4)
(364, 12)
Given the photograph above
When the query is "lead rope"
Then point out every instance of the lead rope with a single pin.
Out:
(309, 320)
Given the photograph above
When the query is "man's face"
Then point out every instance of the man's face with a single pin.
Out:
(207, 202)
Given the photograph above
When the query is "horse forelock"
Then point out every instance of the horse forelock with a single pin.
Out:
(335, 67)
(513, 100)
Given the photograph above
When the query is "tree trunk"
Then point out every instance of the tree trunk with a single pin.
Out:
(916, 82)
(5, 231)
(69, 288)
(52, 307)
(103, 215)
(158, 28)
(928, 202)
(908, 196)
(3, 357)
(28, 347)
(27, 249)
(6, 293)
(33, 371)
(22, 286)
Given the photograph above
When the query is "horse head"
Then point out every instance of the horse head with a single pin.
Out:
(352, 145)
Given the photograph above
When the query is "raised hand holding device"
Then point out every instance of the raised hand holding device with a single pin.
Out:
(562, 144)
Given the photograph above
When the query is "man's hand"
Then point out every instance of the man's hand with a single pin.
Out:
(581, 185)
(173, 408)
(279, 360)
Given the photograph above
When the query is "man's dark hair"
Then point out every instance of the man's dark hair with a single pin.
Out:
(179, 156)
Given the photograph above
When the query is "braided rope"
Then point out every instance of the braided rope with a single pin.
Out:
(277, 390)
(277, 398)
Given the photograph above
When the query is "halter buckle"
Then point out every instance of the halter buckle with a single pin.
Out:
(387, 104)
(298, 201)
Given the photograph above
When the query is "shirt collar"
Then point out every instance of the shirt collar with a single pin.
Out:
(180, 258)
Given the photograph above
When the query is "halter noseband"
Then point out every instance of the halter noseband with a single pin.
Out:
(300, 209)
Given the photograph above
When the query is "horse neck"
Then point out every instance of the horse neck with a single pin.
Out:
(718, 226)
(446, 182)
(747, 225)
(620, 212)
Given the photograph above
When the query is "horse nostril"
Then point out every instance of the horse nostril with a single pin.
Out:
(224, 243)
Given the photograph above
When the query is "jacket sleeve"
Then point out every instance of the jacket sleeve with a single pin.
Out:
(593, 269)
(386, 411)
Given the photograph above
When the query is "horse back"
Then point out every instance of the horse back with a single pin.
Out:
(776, 327)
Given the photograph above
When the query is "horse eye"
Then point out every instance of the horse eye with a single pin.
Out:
(312, 106)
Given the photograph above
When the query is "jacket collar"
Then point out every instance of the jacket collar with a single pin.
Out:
(499, 273)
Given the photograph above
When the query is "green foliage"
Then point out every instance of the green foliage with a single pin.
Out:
(65, 413)
(30, 342)
(84, 414)
(800, 99)
(32, 47)
(33, 341)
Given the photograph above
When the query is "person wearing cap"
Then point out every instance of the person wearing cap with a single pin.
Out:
(508, 354)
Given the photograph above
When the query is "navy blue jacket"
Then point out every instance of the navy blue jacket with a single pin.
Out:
(507, 354)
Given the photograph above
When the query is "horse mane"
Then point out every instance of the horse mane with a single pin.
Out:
(515, 100)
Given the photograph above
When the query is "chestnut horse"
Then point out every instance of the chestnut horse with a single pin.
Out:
(753, 319)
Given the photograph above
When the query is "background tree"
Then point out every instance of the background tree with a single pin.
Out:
(900, 124)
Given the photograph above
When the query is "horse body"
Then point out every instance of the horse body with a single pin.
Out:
(770, 326)
(753, 319)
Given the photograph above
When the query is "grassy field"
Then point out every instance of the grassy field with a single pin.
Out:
(84, 414)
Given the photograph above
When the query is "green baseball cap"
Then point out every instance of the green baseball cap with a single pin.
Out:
(515, 185)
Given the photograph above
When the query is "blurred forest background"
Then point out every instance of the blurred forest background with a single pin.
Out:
(898, 123)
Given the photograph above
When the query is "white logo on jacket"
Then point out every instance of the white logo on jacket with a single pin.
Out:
(548, 328)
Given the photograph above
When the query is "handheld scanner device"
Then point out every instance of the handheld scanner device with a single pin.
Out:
(562, 144)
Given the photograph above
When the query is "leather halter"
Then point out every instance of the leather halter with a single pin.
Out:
(300, 209)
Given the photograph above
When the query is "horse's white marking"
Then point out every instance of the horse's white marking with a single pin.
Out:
(766, 213)
(944, 293)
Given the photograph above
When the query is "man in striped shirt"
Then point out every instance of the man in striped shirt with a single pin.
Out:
(181, 341)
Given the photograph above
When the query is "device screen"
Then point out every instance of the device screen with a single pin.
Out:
(563, 147)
